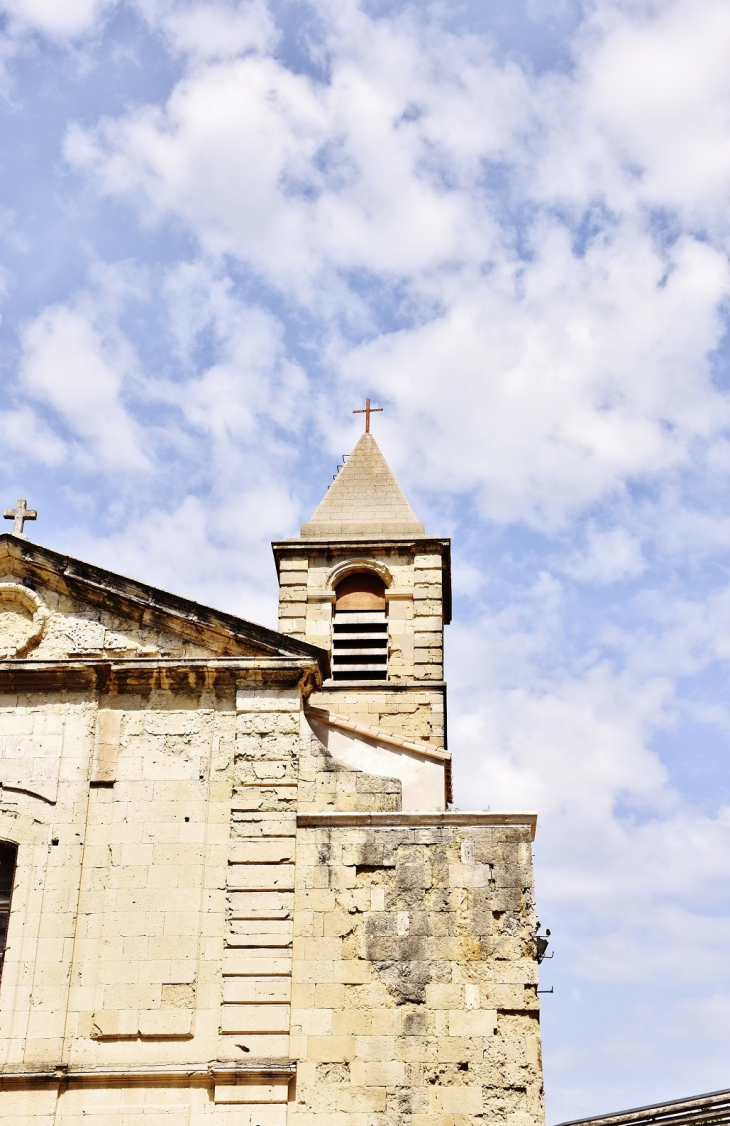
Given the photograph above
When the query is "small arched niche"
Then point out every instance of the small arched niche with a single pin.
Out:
(360, 628)
(360, 591)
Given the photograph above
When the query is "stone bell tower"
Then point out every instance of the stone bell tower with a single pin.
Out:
(365, 582)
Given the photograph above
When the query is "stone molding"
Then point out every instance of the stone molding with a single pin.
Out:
(355, 565)
(31, 602)
(139, 601)
(384, 686)
(416, 820)
(216, 1070)
(146, 674)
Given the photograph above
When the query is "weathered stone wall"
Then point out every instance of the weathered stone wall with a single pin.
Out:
(413, 712)
(151, 923)
(207, 902)
(327, 785)
(49, 615)
(130, 868)
(414, 596)
(414, 980)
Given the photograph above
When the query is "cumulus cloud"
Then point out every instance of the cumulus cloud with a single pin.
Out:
(227, 402)
(512, 361)
(643, 120)
(251, 376)
(23, 435)
(530, 270)
(78, 369)
(367, 170)
(606, 558)
(61, 19)
(213, 30)
(542, 408)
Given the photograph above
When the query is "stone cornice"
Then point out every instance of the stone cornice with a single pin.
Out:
(215, 1071)
(338, 545)
(366, 686)
(141, 602)
(695, 1111)
(143, 675)
(416, 820)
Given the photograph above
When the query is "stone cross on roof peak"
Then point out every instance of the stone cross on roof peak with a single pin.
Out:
(19, 515)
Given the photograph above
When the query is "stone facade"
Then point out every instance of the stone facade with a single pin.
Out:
(221, 913)
(412, 703)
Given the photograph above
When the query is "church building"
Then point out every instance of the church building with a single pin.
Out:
(233, 891)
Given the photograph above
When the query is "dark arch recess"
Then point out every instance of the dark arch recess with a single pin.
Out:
(360, 591)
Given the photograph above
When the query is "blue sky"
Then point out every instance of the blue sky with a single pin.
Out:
(224, 224)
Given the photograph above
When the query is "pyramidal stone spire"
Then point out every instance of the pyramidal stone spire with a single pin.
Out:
(364, 500)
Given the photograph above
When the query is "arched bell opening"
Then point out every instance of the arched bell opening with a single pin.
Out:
(360, 628)
(361, 591)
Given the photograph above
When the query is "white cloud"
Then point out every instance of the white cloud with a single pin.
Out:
(606, 558)
(531, 274)
(78, 368)
(213, 30)
(299, 176)
(644, 120)
(56, 18)
(23, 434)
(251, 377)
(526, 392)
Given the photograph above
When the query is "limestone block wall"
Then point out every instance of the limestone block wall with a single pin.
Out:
(428, 621)
(255, 1016)
(116, 929)
(414, 974)
(216, 923)
(293, 580)
(327, 785)
(413, 712)
(415, 599)
(146, 960)
(148, 969)
(45, 743)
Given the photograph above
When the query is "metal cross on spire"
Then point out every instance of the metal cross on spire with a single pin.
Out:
(367, 412)
(19, 515)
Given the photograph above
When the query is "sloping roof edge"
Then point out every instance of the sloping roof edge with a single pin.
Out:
(437, 754)
(713, 1107)
(100, 583)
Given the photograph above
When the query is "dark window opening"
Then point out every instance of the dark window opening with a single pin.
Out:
(360, 631)
(8, 854)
